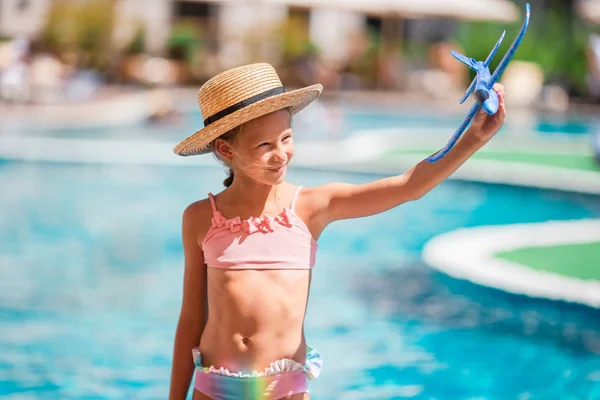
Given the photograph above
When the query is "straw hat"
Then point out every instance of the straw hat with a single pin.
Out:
(237, 96)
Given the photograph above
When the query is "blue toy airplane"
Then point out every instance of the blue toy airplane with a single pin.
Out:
(485, 96)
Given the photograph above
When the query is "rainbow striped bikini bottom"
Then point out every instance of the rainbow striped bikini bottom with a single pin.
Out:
(281, 379)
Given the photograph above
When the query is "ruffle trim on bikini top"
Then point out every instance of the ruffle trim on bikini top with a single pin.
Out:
(312, 367)
(252, 225)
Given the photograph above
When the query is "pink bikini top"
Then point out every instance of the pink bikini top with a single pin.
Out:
(281, 242)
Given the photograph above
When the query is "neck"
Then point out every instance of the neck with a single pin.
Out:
(253, 194)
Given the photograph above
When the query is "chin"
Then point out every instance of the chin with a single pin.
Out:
(277, 180)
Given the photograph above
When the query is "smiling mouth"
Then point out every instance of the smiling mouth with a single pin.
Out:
(276, 169)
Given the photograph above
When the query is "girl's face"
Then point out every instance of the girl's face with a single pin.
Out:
(264, 148)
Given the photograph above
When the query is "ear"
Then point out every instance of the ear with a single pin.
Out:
(224, 149)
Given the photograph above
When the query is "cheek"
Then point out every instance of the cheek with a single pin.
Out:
(289, 149)
(261, 158)
(252, 159)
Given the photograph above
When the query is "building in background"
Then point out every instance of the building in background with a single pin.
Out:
(236, 31)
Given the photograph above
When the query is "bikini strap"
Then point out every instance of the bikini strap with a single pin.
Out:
(212, 203)
(295, 197)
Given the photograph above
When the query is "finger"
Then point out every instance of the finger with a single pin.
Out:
(501, 99)
(501, 96)
(500, 92)
(480, 116)
(498, 87)
(501, 108)
(480, 113)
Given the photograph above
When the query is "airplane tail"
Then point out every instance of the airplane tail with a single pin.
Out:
(471, 64)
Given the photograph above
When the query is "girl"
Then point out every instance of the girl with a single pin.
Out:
(249, 249)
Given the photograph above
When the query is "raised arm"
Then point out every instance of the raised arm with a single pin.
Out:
(193, 314)
(344, 201)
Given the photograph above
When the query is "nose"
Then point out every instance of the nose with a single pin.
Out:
(490, 104)
(280, 152)
(490, 107)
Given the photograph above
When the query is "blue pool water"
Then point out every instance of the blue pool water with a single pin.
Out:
(91, 267)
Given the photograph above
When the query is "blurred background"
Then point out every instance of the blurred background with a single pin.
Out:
(486, 288)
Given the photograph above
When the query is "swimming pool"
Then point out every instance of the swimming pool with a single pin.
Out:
(91, 268)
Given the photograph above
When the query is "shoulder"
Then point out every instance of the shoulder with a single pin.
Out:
(313, 204)
(315, 200)
(197, 209)
(321, 195)
(197, 217)
(325, 201)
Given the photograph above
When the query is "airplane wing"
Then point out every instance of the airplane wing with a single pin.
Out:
(469, 90)
(513, 48)
(461, 129)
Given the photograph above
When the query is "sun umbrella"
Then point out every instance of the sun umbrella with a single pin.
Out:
(489, 10)
(484, 10)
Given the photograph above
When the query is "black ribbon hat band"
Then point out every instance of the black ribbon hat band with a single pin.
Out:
(242, 104)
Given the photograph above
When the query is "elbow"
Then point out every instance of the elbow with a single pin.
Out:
(416, 194)
(189, 331)
(416, 190)
(412, 189)
(191, 322)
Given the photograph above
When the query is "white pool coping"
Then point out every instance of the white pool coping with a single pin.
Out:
(469, 254)
(359, 153)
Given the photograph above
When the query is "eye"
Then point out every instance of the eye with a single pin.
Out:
(288, 137)
(263, 144)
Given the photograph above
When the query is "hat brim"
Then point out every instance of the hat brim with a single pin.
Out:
(296, 100)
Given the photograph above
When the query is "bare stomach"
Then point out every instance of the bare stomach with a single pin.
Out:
(255, 317)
